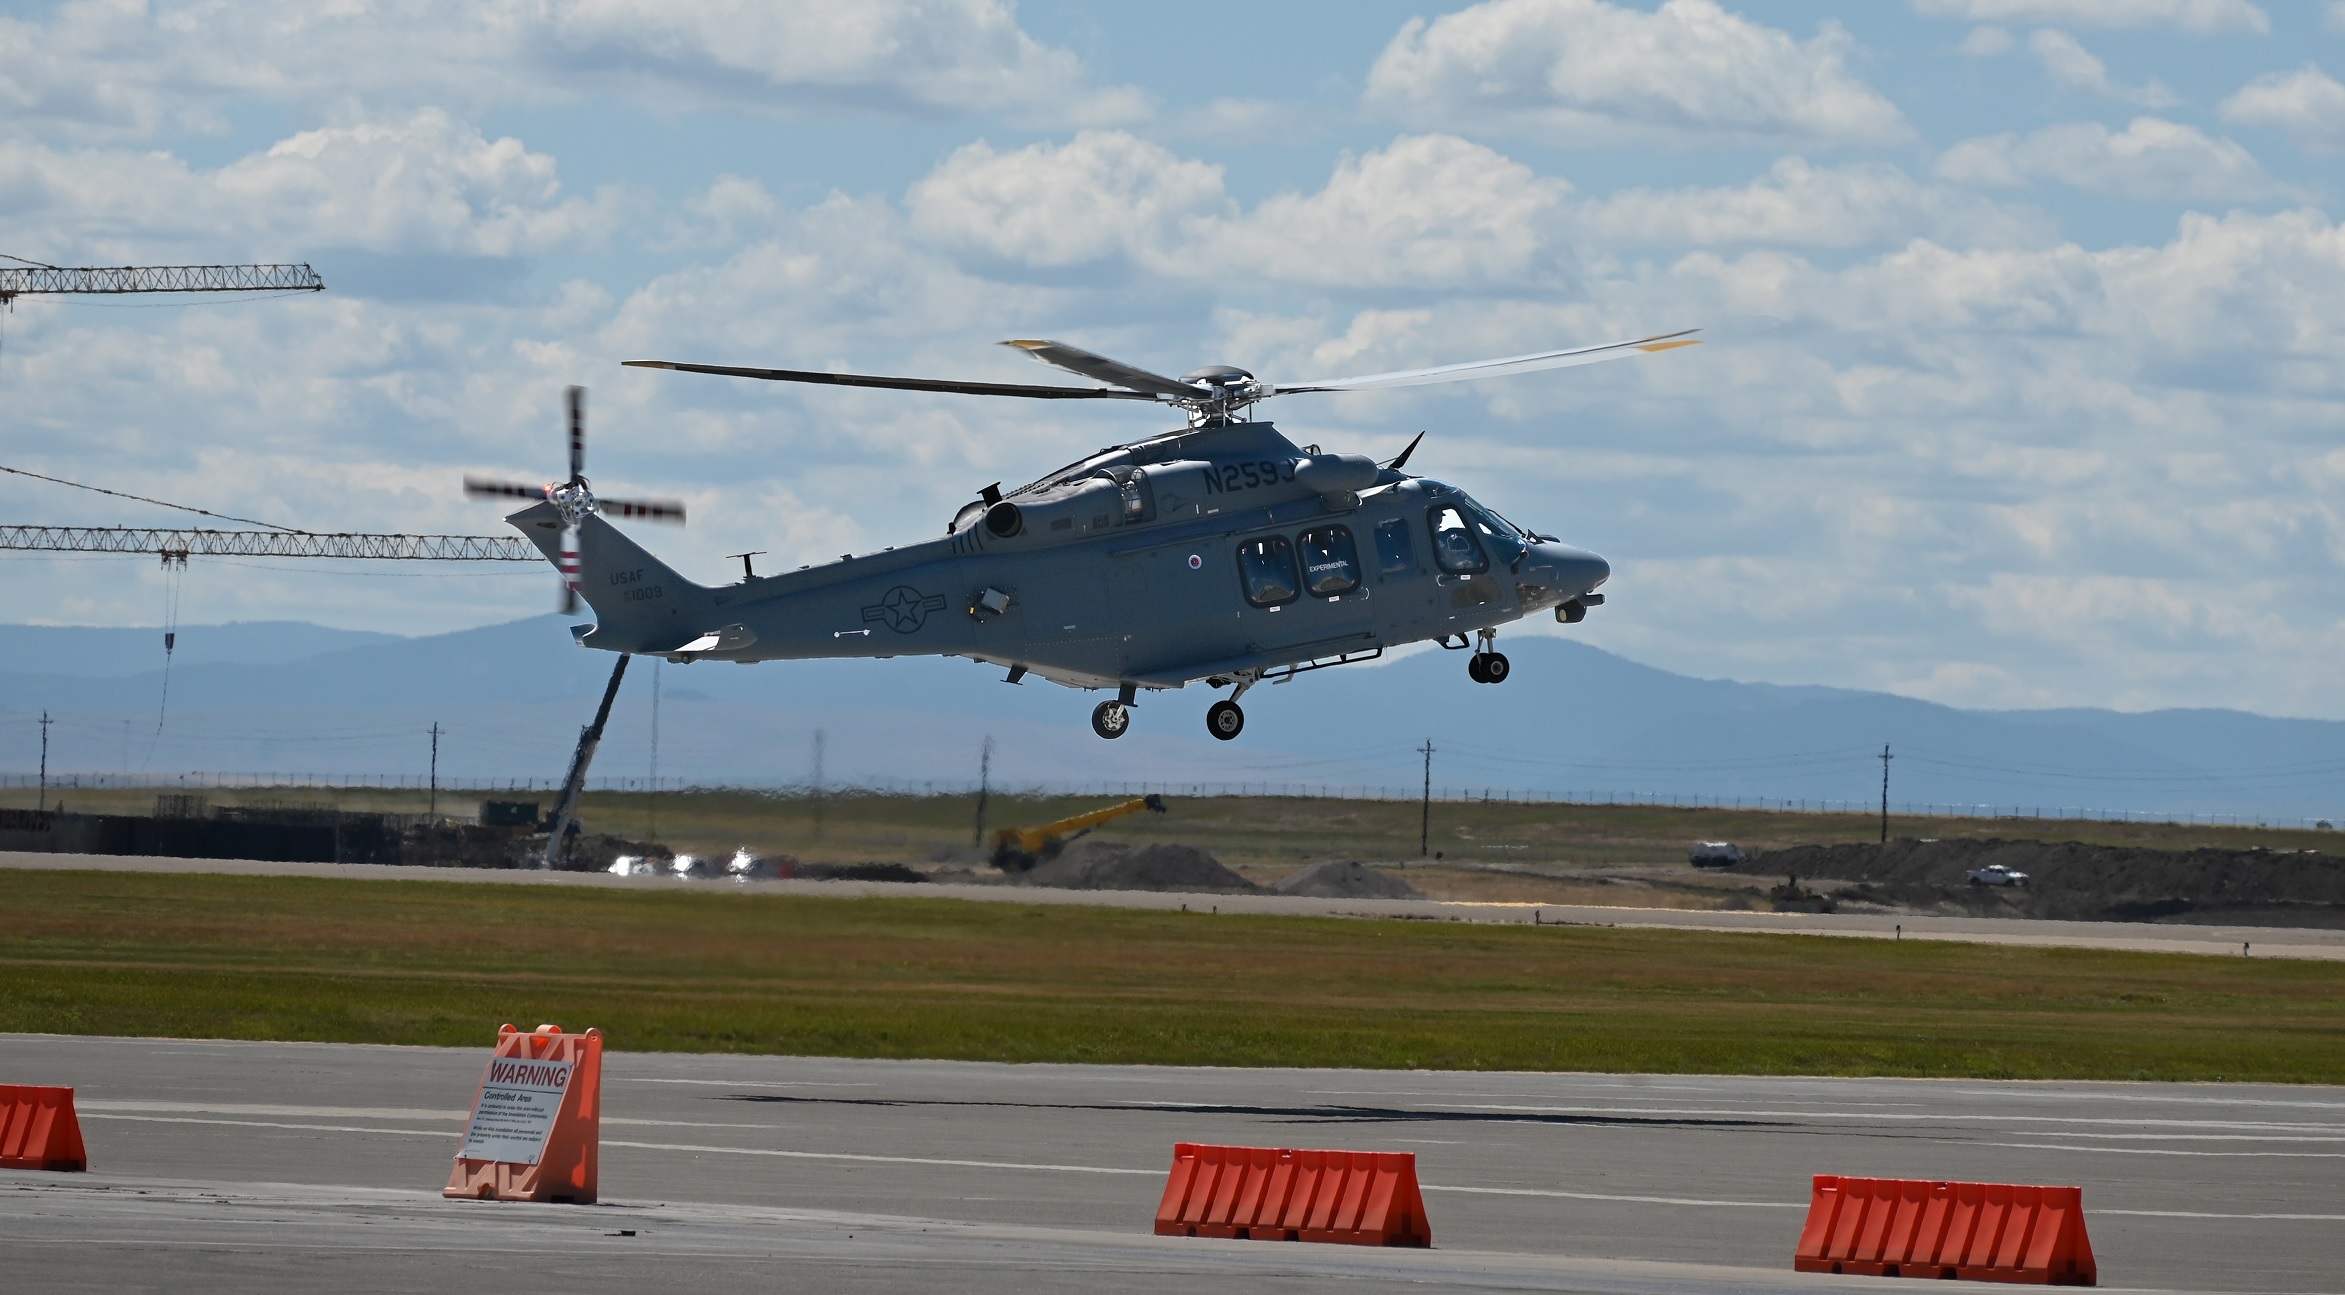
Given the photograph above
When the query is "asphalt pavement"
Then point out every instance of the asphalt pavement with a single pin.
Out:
(226, 1166)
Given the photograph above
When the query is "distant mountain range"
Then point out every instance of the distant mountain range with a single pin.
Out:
(302, 699)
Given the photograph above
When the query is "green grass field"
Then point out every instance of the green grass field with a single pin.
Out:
(422, 962)
(1263, 831)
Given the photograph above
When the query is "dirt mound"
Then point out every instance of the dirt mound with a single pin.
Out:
(2078, 882)
(855, 872)
(1110, 865)
(1347, 879)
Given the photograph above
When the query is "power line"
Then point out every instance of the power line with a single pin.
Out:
(159, 503)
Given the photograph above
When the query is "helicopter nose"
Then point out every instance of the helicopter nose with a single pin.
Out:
(1573, 571)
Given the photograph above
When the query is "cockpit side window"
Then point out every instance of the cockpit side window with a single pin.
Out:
(1454, 545)
(1266, 570)
(1331, 562)
(1395, 552)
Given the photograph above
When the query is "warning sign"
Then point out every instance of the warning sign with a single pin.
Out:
(518, 1102)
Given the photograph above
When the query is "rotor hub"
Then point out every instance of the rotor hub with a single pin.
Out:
(573, 500)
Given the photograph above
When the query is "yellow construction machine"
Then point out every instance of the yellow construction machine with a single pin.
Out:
(1015, 849)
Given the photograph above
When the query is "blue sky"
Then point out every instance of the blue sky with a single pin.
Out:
(2028, 316)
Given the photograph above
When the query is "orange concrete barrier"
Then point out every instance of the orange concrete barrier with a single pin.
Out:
(1997, 1232)
(537, 1124)
(38, 1130)
(1361, 1198)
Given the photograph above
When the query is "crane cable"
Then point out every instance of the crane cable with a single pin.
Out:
(160, 503)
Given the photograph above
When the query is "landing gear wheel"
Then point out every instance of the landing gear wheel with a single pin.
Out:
(1494, 667)
(1224, 720)
(1477, 668)
(1111, 719)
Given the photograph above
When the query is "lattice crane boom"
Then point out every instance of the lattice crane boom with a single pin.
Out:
(35, 279)
(179, 543)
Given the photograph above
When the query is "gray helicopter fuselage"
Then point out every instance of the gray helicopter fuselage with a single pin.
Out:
(1218, 552)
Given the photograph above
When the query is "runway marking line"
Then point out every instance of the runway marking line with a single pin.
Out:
(1547, 1193)
(1926, 1118)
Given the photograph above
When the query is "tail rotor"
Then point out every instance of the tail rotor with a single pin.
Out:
(574, 499)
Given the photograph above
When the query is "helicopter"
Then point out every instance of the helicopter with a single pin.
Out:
(1220, 552)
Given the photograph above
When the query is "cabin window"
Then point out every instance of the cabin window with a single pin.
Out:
(1454, 545)
(1395, 553)
(1331, 562)
(1266, 567)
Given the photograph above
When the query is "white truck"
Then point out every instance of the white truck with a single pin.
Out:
(1996, 874)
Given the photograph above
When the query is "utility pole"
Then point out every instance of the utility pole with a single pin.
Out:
(434, 812)
(984, 789)
(818, 784)
(1425, 807)
(651, 804)
(1885, 759)
(45, 722)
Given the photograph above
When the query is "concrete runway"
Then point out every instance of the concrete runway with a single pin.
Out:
(2145, 937)
(224, 1166)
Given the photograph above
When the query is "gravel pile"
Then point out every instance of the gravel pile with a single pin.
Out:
(1347, 879)
(1109, 865)
(2074, 881)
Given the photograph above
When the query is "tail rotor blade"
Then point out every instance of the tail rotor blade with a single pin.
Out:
(569, 569)
(658, 510)
(577, 402)
(502, 489)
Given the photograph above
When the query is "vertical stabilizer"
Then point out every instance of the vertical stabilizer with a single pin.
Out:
(640, 603)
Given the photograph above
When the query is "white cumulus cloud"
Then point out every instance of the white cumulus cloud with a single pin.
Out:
(2189, 15)
(425, 184)
(2078, 68)
(1797, 204)
(1425, 209)
(2307, 103)
(1589, 72)
(125, 67)
(2151, 159)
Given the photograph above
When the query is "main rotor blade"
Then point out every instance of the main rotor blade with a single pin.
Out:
(661, 510)
(502, 489)
(1501, 367)
(898, 384)
(1099, 367)
(577, 403)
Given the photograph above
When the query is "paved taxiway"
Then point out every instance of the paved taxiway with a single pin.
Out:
(2145, 937)
(233, 1166)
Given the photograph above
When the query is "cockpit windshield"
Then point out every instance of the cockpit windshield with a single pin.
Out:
(1505, 538)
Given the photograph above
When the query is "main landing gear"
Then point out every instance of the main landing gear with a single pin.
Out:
(1488, 665)
(1223, 719)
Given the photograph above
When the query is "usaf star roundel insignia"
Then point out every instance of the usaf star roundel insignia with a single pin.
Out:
(904, 608)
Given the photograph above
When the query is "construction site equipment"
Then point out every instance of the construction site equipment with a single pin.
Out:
(590, 737)
(1896, 1227)
(1362, 1198)
(1015, 849)
(38, 1130)
(536, 1127)
(32, 278)
(181, 543)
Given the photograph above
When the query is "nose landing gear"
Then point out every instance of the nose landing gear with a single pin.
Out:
(1488, 665)
(1113, 719)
